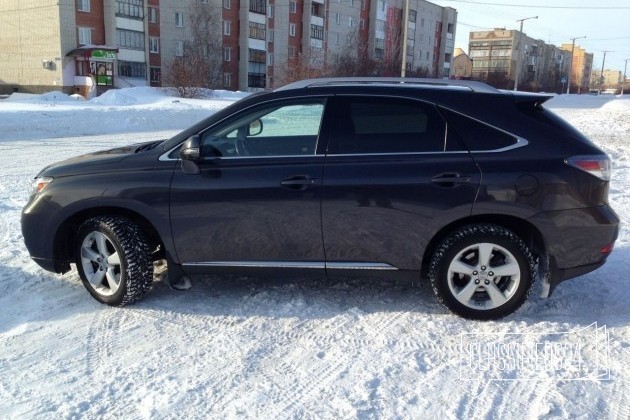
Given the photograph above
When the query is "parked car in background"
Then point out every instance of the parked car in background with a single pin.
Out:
(479, 191)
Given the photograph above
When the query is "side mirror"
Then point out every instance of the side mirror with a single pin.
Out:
(190, 153)
(190, 149)
(254, 128)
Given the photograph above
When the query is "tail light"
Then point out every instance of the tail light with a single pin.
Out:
(596, 165)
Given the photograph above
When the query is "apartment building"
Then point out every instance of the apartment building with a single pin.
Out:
(500, 56)
(581, 68)
(89, 46)
(608, 79)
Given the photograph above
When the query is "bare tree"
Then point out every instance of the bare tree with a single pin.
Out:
(200, 65)
(305, 65)
(353, 60)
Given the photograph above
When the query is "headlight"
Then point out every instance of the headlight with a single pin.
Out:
(39, 184)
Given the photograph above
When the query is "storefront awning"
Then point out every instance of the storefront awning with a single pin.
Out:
(102, 52)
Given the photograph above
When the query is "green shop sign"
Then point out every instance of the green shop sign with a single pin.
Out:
(109, 55)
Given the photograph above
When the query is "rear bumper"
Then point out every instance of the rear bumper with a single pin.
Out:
(575, 240)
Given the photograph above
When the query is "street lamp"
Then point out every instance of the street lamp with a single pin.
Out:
(518, 51)
(623, 82)
(571, 61)
(601, 76)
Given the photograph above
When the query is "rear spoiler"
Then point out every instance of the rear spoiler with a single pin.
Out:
(533, 99)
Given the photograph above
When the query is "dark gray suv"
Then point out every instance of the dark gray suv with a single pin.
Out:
(478, 190)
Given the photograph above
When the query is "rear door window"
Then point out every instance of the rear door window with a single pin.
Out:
(376, 125)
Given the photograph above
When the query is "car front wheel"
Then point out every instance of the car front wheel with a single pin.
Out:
(113, 260)
(482, 272)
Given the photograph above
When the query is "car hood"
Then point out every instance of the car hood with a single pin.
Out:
(97, 161)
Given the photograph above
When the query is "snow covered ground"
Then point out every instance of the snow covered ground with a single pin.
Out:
(272, 348)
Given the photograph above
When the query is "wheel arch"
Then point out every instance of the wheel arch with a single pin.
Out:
(65, 235)
(527, 231)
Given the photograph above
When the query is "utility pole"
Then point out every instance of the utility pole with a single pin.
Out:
(623, 82)
(601, 75)
(403, 67)
(571, 61)
(518, 51)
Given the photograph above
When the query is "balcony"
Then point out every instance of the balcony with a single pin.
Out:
(256, 80)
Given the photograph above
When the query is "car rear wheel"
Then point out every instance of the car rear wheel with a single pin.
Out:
(113, 260)
(482, 272)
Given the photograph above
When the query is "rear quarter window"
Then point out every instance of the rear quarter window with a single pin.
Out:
(476, 135)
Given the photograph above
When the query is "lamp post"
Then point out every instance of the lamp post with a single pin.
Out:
(623, 82)
(571, 61)
(518, 51)
(601, 75)
(403, 67)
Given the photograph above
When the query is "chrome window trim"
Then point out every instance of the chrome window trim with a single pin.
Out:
(459, 152)
(520, 142)
(295, 264)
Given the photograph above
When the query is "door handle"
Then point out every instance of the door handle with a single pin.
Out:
(299, 182)
(451, 178)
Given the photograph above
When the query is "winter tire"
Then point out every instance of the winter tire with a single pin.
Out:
(482, 272)
(113, 260)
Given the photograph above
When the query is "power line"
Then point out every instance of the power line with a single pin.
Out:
(541, 7)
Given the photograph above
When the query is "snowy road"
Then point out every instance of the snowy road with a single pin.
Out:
(272, 348)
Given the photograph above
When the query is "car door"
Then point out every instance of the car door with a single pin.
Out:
(393, 177)
(256, 201)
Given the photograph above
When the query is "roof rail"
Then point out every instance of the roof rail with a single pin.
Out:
(472, 85)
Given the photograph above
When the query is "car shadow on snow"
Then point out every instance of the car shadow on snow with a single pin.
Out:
(600, 296)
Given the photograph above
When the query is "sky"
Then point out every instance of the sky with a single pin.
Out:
(605, 23)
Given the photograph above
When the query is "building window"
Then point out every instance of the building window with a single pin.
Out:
(292, 6)
(179, 19)
(337, 18)
(337, 39)
(227, 4)
(227, 79)
(291, 29)
(179, 48)
(256, 80)
(363, 4)
(350, 22)
(413, 15)
(132, 69)
(270, 59)
(317, 9)
(317, 32)
(227, 54)
(362, 24)
(381, 6)
(153, 15)
(156, 74)
(130, 8)
(270, 11)
(154, 45)
(227, 27)
(257, 56)
(83, 5)
(204, 1)
(270, 35)
(257, 30)
(85, 36)
(258, 6)
(130, 39)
